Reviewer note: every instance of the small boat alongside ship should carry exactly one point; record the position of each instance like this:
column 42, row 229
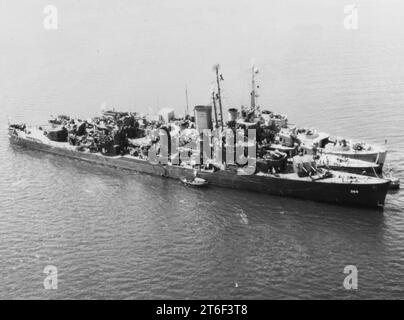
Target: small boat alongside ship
column 195, row 182
column 313, row 142
column 311, row 139
column 341, row 163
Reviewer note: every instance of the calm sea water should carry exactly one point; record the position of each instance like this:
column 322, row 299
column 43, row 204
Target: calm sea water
column 116, row 234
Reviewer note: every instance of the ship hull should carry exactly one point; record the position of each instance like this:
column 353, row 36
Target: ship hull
column 363, row 195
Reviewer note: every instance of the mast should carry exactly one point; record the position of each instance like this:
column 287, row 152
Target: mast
column 219, row 95
column 214, row 108
column 252, row 88
column 254, row 71
column 187, row 101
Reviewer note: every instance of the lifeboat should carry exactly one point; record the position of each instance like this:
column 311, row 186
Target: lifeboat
column 310, row 139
